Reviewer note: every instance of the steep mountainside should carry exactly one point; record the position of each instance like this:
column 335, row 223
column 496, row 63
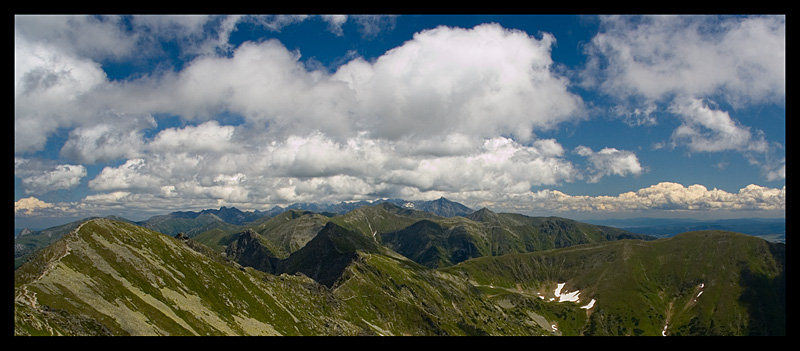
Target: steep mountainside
column 443, row 242
column 441, row 207
column 115, row 278
column 697, row 283
column 426, row 238
column 284, row 233
column 32, row 241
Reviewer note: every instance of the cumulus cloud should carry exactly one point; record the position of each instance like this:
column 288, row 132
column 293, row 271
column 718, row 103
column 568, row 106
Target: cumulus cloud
column 665, row 196
column 48, row 88
column 29, row 205
column 675, row 63
column 206, row 137
column 39, row 177
column 124, row 177
column 610, row 161
column 94, row 37
column 316, row 167
column 707, row 130
column 107, row 141
column 477, row 82
column 654, row 57
column 483, row 82
column 452, row 112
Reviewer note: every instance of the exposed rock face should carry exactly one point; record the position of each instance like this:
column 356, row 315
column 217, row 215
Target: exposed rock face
column 248, row 251
column 325, row 257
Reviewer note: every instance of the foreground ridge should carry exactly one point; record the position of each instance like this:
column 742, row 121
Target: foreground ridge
column 108, row 277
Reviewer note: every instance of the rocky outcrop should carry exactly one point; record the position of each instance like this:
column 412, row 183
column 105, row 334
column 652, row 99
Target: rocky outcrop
column 248, row 251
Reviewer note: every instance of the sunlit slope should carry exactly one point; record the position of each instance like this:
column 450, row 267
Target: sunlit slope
column 698, row 283
column 286, row 232
column 114, row 278
column 426, row 238
column 119, row 279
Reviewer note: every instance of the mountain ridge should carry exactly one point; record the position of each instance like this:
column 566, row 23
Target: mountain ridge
column 108, row 277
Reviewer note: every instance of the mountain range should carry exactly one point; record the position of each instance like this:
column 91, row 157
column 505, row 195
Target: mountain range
column 389, row 269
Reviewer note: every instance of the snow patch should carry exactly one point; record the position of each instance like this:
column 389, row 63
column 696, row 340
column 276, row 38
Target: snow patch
column 562, row 296
column 572, row 296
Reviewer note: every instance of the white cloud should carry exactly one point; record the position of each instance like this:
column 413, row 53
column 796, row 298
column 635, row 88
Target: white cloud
column 335, row 23
column 707, row 130
column 420, row 121
column 29, row 205
column 654, row 57
column 481, row 82
column 94, row 37
column 277, row 22
column 317, row 167
column 126, row 176
column 651, row 64
column 371, row 26
column 777, row 172
column 108, row 141
column 665, row 196
column 610, row 161
column 39, row 177
column 206, row 137
column 107, row 198
column 49, row 87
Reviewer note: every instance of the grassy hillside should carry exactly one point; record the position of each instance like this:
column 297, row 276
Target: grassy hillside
column 119, row 279
column 698, row 283
column 114, row 278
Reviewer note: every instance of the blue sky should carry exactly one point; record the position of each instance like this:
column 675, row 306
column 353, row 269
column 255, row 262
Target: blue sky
column 575, row 116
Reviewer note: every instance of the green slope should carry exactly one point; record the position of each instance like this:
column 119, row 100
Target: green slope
column 114, row 278
column 426, row 238
column 118, row 279
column 640, row 287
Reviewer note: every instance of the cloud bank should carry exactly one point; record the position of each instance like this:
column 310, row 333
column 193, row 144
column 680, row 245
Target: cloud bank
column 451, row 112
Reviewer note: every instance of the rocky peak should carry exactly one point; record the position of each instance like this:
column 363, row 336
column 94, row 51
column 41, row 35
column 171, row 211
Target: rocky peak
column 248, row 251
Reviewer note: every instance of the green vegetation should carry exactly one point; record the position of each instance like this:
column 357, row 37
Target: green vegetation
column 386, row 270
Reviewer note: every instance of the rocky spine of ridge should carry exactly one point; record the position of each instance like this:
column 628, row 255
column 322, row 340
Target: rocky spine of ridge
column 322, row 259
column 248, row 251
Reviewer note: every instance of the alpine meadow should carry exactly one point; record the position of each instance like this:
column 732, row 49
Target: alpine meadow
column 400, row 175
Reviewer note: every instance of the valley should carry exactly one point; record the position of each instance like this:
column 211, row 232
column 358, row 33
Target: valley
column 383, row 269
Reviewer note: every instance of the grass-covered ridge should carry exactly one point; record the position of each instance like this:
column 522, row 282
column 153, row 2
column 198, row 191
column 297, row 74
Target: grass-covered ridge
column 698, row 283
column 114, row 278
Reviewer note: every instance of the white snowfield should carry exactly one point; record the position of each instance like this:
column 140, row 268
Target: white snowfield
column 569, row 296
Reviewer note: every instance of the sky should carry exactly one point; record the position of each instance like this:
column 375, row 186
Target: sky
column 584, row 117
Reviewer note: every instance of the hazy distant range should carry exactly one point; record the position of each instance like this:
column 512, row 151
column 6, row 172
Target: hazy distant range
column 772, row 229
